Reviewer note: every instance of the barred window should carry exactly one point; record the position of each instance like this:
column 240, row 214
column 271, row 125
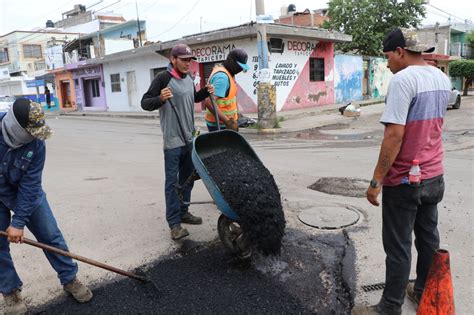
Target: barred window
column 115, row 82
column 4, row 55
column 95, row 88
column 316, row 69
column 32, row 51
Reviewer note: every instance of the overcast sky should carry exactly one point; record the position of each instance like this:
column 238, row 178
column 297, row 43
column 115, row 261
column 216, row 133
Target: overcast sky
column 170, row 19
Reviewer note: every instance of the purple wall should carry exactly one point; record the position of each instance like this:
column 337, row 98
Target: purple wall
column 89, row 86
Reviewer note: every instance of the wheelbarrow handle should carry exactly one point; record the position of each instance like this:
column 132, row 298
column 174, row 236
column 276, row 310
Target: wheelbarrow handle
column 80, row 258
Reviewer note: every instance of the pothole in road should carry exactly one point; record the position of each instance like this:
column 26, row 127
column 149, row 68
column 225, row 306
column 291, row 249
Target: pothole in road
column 337, row 126
column 316, row 134
column 312, row 275
column 343, row 186
column 329, row 217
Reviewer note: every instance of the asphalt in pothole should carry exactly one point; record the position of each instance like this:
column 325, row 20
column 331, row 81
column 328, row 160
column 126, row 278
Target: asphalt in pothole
column 343, row 186
column 314, row 274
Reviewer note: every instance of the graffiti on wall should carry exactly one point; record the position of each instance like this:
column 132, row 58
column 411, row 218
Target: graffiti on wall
column 380, row 76
column 87, row 71
column 348, row 74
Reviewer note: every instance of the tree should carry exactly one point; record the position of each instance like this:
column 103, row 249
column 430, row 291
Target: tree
column 463, row 69
column 369, row 20
column 470, row 38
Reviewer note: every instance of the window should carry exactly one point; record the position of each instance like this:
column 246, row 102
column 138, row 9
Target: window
column 316, row 69
column 95, row 88
column 32, row 51
column 4, row 55
column 155, row 71
column 115, row 82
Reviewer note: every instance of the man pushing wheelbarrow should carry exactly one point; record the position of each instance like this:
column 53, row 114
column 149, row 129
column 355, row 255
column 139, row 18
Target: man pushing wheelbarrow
column 248, row 219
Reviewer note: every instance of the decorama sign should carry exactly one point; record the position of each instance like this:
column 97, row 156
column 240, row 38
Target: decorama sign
column 301, row 47
column 212, row 53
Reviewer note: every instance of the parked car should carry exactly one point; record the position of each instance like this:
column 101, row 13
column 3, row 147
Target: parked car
column 6, row 102
column 455, row 99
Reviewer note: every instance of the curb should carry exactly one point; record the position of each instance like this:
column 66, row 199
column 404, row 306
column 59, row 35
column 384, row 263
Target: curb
column 327, row 110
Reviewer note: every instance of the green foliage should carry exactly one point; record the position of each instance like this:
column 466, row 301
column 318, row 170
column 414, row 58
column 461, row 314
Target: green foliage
column 470, row 38
column 369, row 20
column 462, row 68
column 276, row 124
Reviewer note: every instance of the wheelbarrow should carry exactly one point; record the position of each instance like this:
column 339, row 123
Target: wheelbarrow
column 206, row 146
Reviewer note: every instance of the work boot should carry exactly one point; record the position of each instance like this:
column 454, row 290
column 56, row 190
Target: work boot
column 413, row 296
column 14, row 304
column 178, row 232
column 377, row 309
column 79, row 292
column 188, row 218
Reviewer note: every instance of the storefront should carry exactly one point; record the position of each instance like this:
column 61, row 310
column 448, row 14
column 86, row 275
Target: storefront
column 300, row 66
column 88, row 84
column 65, row 90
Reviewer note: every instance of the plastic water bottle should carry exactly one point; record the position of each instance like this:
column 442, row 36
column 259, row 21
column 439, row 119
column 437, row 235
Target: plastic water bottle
column 414, row 176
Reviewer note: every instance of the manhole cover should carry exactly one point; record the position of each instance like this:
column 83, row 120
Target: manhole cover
column 329, row 217
column 344, row 186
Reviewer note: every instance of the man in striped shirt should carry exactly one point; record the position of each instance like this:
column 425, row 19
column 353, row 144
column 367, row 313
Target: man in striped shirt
column 415, row 105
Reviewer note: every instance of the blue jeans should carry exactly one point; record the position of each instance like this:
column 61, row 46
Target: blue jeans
column 45, row 229
column 408, row 209
column 214, row 128
column 178, row 167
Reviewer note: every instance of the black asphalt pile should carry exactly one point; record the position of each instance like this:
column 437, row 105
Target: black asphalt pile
column 205, row 282
column 250, row 190
column 314, row 274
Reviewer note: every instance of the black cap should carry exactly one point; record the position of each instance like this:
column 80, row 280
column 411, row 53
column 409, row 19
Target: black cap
column 240, row 56
column 21, row 110
column 406, row 39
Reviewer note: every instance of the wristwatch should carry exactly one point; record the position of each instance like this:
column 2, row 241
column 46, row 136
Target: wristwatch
column 374, row 183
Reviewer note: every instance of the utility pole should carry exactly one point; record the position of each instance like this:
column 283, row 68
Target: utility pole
column 266, row 92
column 138, row 23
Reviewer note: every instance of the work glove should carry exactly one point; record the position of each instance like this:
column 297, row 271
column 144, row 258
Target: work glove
column 231, row 124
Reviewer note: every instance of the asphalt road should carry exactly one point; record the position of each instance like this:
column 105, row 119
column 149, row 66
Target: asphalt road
column 104, row 179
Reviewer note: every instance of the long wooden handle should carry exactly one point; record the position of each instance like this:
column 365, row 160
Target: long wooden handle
column 216, row 115
column 80, row 258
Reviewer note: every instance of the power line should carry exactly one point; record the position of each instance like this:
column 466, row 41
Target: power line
column 451, row 15
column 179, row 21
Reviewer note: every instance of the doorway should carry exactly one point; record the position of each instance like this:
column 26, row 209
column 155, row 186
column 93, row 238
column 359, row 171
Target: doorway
column 132, row 91
column 66, row 94
column 92, row 92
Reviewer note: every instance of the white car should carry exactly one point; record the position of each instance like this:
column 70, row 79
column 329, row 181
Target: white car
column 6, row 102
column 455, row 99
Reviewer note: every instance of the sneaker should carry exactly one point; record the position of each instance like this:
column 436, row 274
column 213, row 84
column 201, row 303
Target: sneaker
column 79, row 292
column 14, row 303
column 178, row 232
column 413, row 296
column 377, row 309
column 188, row 218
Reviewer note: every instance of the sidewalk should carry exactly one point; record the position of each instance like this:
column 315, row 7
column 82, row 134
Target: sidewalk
column 289, row 121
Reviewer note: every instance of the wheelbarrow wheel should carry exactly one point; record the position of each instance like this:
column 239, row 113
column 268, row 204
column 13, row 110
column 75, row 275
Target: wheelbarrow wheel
column 231, row 235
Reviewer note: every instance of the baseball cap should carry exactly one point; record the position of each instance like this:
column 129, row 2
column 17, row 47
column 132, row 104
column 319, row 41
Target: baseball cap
column 406, row 39
column 182, row 51
column 239, row 56
column 31, row 117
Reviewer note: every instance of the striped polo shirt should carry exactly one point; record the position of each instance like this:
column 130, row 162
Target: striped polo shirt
column 417, row 98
